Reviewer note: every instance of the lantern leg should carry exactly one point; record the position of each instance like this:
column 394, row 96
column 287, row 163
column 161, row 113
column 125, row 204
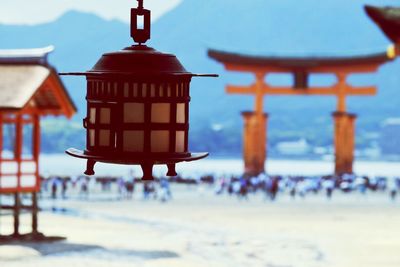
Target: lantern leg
column 171, row 170
column 147, row 172
column 90, row 167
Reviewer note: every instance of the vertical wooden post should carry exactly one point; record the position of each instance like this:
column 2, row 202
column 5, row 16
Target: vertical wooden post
column 344, row 130
column 34, row 214
column 259, row 103
column 254, row 142
column 18, row 158
column 344, row 142
column 1, row 157
column 17, row 210
column 36, row 147
column 18, row 148
column 350, row 142
column 1, row 146
column 36, row 154
column 341, row 95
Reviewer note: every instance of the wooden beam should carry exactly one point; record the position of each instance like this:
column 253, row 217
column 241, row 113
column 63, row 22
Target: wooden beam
column 372, row 90
column 348, row 70
column 267, row 90
column 245, row 90
column 291, row 91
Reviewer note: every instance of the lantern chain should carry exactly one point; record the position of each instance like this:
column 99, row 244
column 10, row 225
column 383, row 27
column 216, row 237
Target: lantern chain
column 140, row 4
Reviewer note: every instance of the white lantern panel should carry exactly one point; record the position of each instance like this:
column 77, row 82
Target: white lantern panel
column 133, row 141
column 133, row 113
column 105, row 115
column 180, row 142
column 153, row 90
column 92, row 137
column 92, row 115
column 169, row 91
column 135, row 89
column 109, row 85
column 126, row 89
column 180, row 113
column 104, row 139
column 144, row 90
column 115, row 92
column 160, row 113
column 160, row 141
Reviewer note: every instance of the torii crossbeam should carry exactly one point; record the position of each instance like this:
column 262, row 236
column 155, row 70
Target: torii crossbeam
column 255, row 122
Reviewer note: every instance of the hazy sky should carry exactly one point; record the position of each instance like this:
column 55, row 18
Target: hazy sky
column 38, row 11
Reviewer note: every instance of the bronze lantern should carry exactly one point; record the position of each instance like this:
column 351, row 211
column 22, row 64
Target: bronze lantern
column 137, row 106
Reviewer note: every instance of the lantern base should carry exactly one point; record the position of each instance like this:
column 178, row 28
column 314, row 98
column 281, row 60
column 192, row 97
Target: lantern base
column 146, row 162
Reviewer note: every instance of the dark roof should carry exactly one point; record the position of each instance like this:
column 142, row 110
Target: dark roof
column 22, row 74
column 297, row 63
column 388, row 19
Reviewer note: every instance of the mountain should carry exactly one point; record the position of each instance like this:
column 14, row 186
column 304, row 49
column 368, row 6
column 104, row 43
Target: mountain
column 257, row 27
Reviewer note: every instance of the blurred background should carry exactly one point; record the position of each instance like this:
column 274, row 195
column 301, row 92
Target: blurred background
column 298, row 214
column 299, row 127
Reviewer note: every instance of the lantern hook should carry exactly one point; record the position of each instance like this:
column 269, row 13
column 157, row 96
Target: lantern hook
column 140, row 32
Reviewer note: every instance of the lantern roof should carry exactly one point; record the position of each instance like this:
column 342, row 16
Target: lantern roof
column 137, row 60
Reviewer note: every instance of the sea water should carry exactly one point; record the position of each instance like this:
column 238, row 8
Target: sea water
column 60, row 164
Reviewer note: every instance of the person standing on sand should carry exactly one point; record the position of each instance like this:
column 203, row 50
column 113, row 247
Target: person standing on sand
column 64, row 188
column 392, row 186
column 329, row 186
column 165, row 190
column 84, row 193
column 121, row 188
column 274, row 188
column 129, row 187
column 54, row 183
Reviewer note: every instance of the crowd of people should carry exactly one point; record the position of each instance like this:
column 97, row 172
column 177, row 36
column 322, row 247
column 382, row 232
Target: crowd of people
column 242, row 187
column 57, row 187
column 301, row 186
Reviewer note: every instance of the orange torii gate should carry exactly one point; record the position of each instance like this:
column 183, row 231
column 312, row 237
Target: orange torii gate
column 255, row 130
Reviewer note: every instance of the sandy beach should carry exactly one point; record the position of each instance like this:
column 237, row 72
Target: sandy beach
column 198, row 228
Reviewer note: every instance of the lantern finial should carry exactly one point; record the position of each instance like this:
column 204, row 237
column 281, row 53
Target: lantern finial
column 140, row 32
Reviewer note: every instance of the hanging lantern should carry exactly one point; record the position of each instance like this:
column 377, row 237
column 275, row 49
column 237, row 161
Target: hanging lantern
column 137, row 106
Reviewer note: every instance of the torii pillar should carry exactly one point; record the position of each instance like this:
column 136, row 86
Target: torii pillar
column 344, row 131
column 255, row 133
column 254, row 142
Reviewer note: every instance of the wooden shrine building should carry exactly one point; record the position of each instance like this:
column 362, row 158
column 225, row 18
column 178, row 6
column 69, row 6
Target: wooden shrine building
column 30, row 88
column 255, row 122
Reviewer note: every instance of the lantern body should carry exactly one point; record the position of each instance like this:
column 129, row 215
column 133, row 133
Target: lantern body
column 137, row 118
